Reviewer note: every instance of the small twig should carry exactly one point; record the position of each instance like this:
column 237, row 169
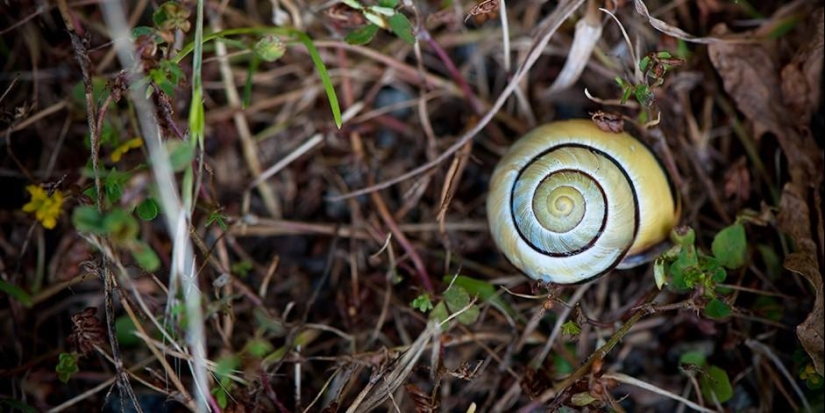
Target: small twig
column 761, row 348
column 423, row 34
column 623, row 378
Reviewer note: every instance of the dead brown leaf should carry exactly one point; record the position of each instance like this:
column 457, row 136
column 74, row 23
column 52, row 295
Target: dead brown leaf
column 751, row 78
column 801, row 77
column 781, row 102
column 793, row 218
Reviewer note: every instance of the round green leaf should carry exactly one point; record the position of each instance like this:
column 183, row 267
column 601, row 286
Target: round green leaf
column 730, row 246
column 716, row 308
column 715, row 384
column 148, row 209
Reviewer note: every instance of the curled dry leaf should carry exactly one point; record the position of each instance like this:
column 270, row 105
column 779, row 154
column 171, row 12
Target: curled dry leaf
column 588, row 33
column 676, row 32
column 738, row 181
column 783, row 105
column 86, row 331
column 608, row 122
column 794, row 218
column 801, row 77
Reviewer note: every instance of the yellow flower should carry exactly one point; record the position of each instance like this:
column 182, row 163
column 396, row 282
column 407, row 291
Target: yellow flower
column 46, row 208
column 121, row 150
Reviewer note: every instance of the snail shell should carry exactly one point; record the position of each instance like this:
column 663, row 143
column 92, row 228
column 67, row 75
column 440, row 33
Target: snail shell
column 569, row 202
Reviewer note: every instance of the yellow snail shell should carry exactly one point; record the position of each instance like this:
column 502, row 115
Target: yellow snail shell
column 569, row 202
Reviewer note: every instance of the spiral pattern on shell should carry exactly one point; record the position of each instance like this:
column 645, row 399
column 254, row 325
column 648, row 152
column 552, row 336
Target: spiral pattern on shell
column 568, row 202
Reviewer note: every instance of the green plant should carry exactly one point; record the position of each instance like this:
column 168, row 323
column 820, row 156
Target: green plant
column 121, row 227
column 66, row 366
column 384, row 16
column 286, row 35
column 714, row 382
column 654, row 66
column 685, row 268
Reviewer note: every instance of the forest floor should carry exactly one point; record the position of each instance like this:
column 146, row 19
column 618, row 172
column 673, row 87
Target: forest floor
column 254, row 206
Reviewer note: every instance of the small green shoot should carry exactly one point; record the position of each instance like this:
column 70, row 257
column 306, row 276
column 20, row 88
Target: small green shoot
column 384, row 16
column 66, row 366
column 422, row 303
column 570, row 328
column 684, row 268
column 16, row 293
column 242, row 268
column 215, row 217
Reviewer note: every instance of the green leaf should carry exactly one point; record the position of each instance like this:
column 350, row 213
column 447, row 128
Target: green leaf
column 120, row 225
column 148, row 209
column 440, row 312
column 272, row 326
column 644, row 63
column 773, row 264
column 570, row 328
column 422, row 303
column 144, row 255
column 15, row 405
column 582, row 399
column 644, row 95
column 659, row 274
column 113, row 184
column 696, row 358
column 126, row 332
column 18, row 293
column 715, row 384
column 402, row 28
column 66, row 366
column 225, row 365
column 323, row 74
column 220, row 397
column 682, row 268
column 562, row 366
column 769, row 308
column 380, row 11
column 87, row 219
column 388, row 3
column 353, row 3
column 216, row 217
column 717, row 309
column 196, row 123
column 485, row 291
column 457, row 299
column 376, row 19
column 242, row 268
column 171, row 16
column 730, row 246
column 141, row 31
column 361, row 35
column 258, row 347
column 469, row 316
